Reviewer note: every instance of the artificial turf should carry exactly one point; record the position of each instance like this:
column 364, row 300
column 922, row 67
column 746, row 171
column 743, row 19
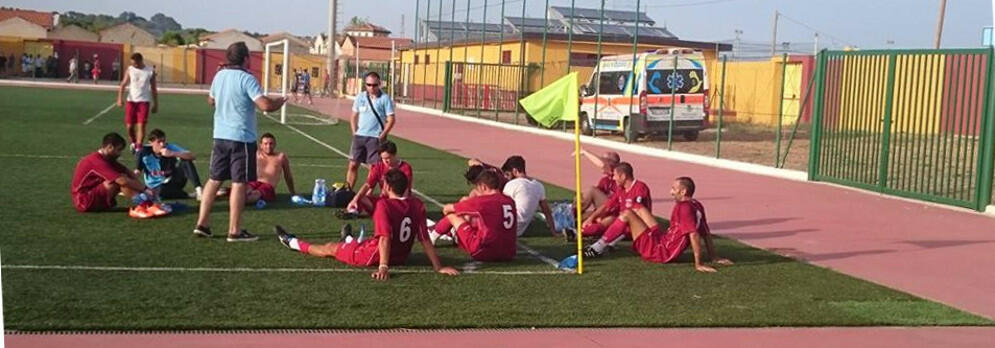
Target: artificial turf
column 195, row 283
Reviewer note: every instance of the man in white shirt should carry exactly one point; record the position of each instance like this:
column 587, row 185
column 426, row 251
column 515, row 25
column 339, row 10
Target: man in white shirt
column 528, row 194
column 140, row 80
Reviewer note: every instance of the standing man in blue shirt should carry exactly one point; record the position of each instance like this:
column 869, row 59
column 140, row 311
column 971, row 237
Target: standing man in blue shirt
column 371, row 122
column 235, row 95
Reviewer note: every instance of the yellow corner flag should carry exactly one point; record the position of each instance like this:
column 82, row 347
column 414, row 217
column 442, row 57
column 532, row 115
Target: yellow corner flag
column 556, row 102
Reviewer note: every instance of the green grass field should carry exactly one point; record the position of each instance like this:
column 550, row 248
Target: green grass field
column 162, row 277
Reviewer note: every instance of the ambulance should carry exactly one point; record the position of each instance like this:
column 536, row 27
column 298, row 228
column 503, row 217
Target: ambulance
column 610, row 101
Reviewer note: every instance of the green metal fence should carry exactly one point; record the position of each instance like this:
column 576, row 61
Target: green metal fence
column 912, row 123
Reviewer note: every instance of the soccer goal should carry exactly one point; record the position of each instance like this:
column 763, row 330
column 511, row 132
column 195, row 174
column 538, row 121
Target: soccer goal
column 281, row 70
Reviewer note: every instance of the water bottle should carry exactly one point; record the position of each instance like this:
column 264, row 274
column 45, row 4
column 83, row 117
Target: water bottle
column 362, row 231
column 569, row 263
column 260, row 204
column 318, row 195
column 297, row 199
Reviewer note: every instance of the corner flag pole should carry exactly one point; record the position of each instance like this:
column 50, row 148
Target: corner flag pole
column 580, row 242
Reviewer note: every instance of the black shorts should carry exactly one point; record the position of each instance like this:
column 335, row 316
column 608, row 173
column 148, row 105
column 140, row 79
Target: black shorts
column 233, row 160
column 365, row 149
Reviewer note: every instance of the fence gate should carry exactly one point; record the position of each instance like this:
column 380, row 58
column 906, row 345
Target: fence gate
column 489, row 87
column 912, row 123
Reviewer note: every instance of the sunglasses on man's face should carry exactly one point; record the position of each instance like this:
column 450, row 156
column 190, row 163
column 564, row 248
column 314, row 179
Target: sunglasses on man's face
column 372, row 84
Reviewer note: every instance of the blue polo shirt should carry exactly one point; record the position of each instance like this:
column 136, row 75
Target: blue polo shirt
column 368, row 125
column 234, row 92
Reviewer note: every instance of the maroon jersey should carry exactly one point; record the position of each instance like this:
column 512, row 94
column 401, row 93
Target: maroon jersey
column 638, row 193
column 378, row 176
column 402, row 220
column 607, row 184
column 688, row 217
column 494, row 218
column 93, row 170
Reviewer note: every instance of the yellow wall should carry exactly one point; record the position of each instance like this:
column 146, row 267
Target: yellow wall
column 173, row 64
column 556, row 58
column 298, row 61
column 12, row 45
column 38, row 48
column 752, row 89
column 909, row 113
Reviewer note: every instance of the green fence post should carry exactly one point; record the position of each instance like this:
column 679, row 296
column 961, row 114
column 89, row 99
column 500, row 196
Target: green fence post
column 522, row 74
column 480, row 67
column 780, row 110
column 447, row 93
column 438, row 62
column 816, row 136
column 985, row 168
column 673, row 105
column 570, row 42
column 497, row 106
column 886, row 132
column 722, row 93
column 592, row 121
column 801, row 111
column 629, row 136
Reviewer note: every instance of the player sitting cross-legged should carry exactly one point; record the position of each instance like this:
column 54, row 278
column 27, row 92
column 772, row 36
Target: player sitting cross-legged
column 364, row 201
column 687, row 224
column 397, row 220
column 485, row 225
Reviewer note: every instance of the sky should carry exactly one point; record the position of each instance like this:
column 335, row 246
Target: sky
column 861, row 23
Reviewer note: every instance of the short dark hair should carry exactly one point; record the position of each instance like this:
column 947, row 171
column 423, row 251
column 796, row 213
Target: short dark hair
column 514, row 162
column 114, row 139
column 388, row 147
column 137, row 57
column 397, row 181
column 687, row 184
column 624, row 168
column 372, row 73
column 237, row 52
column 157, row 134
column 267, row 135
column 473, row 172
column 488, row 178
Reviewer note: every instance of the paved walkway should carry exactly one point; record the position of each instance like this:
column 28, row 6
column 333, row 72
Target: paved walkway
column 933, row 252
column 553, row 338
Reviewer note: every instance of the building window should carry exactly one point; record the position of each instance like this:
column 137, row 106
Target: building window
column 505, row 57
column 416, row 59
column 584, row 59
column 315, row 71
column 428, row 59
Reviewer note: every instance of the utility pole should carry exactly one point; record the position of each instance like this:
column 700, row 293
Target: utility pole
column 333, row 74
column 402, row 26
column 939, row 23
column 815, row 48
column 773, row 39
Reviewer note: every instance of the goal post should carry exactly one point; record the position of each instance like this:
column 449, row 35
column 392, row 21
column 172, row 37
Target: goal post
column 284, row 67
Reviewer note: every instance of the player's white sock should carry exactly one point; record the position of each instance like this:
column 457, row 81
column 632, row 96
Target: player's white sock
column 294, row 244
column 349, row 239
column 599, row 246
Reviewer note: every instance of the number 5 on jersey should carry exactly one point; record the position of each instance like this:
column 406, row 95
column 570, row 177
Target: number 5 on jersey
column 509, row 216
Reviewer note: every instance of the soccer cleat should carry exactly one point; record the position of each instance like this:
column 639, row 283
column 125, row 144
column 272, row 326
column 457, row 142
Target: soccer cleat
column 139, row 212
column 345, row 232
column 284, row 236
column 591, row 253
column 157, row 210
column 242, row 236
column 202, row 231
column 342, row 214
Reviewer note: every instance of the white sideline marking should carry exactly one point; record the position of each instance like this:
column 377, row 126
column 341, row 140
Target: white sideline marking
column 249, row 270
column 98, row 115
column 527, row 249
column 20, row 155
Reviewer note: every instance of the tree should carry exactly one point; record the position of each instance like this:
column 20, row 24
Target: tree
column 356, row 21
column 173, row 38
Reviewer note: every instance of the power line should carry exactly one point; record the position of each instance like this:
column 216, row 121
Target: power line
column 820, row 32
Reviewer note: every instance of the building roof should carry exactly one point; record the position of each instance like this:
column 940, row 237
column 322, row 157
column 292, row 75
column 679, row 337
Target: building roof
column 593, row 15
column 125, row 24
column 367, row 27
column 222, row 33
column 284, row 35
column 659, row 41
column 44, row 19
column 459, row 31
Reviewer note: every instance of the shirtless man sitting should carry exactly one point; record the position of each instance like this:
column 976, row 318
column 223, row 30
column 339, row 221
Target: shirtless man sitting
column 270, row 166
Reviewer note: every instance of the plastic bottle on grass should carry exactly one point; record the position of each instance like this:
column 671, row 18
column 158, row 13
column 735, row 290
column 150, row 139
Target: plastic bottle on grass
column 297, row 199
column 318, row 195
column 569, row 263
column 260, row 204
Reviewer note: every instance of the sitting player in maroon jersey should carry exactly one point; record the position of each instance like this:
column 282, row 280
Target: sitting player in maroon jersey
column 687, row 224
column 486, row 224
column 365, row 201
column 628, row 193
column 397, row 221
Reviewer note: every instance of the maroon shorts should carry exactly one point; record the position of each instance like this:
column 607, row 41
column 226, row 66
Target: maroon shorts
column 269, row 193
column 136, row 112
column 660, row 247
column 96, row 199
column 365, row 254
column 470, row 238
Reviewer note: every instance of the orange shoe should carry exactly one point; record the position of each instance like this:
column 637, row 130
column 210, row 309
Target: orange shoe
column 139, row 212
column 156, row 210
